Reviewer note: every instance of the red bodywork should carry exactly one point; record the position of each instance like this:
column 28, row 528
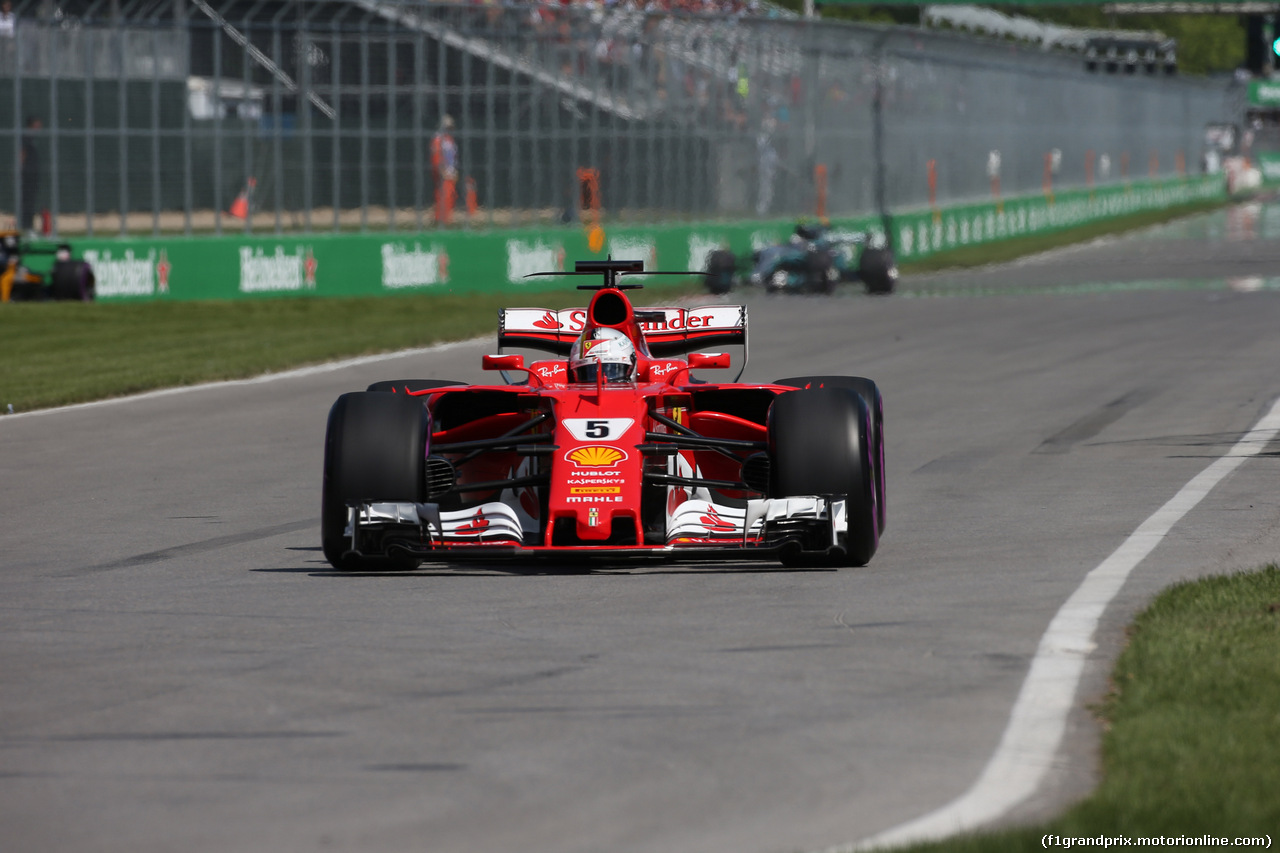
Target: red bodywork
column 596, row 450
column 662, row 465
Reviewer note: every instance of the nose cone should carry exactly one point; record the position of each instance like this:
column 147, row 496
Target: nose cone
column 595, row 489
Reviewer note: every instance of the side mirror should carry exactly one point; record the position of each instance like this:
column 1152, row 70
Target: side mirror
column 503, row 362
column 708, row 360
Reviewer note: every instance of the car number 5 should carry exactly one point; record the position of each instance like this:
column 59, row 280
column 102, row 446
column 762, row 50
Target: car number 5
column 598, row 429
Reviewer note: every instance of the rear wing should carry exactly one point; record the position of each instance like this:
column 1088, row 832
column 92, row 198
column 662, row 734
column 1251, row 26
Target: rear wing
column 667, row 331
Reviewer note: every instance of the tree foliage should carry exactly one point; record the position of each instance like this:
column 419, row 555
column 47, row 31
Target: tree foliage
column 1207, row 44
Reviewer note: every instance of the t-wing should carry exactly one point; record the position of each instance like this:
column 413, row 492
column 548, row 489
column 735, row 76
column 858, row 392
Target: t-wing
column 667, row 331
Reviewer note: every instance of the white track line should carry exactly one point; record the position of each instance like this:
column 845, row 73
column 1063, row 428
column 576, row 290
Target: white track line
column 1039, row 717
column 296, row 373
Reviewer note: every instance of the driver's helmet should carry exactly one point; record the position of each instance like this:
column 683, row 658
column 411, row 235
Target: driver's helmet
column 602, row 349
column 806, row 231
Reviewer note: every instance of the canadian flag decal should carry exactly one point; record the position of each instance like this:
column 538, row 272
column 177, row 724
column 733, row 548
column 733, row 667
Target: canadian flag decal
column 477, row 524
column 713, row 522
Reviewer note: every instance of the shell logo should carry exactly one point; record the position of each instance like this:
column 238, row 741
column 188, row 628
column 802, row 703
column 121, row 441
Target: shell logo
column 595, row 456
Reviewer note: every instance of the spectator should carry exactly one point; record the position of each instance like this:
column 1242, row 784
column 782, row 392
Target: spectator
column 8, row 20
column 767, row 171
column 29, row 158
column 444, row 170
column 732, row 114
column 8, row 32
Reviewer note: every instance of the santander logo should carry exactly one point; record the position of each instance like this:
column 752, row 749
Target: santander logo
column 574, row 320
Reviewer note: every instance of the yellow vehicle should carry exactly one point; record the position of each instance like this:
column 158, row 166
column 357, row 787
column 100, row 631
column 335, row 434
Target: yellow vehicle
column 67, row 278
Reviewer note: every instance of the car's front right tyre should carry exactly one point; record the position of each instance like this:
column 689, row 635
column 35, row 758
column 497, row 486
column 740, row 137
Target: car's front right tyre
column 374, row 450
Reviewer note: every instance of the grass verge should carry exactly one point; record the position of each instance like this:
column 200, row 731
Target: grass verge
column 1192, row 725
column 54, row 354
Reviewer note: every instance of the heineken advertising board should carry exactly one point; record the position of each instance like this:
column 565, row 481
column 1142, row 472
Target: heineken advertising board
column 1269, row 164
column 922, row 233
column 1264, row 93
column 250, row 266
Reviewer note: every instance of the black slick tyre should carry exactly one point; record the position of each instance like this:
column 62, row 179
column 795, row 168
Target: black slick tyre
column 870, row 394
column 878, row 271
column 819, row 445
column 72, row 280
column 721, row 266
column 820, row 274
column 374, row 450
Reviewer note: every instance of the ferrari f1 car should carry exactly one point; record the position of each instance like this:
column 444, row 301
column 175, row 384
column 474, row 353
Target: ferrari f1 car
column 814, row 260
column 610, row 448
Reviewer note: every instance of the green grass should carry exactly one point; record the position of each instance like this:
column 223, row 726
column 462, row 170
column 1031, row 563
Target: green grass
column 1192, row 725
column 1007, row 250
column 54, row 354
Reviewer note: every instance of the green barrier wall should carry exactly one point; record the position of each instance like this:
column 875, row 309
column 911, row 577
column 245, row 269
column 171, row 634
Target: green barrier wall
column 240, row 266
column 921, row 233
column 1269, row 164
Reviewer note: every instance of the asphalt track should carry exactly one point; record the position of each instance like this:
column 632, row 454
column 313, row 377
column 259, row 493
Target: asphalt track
column 180, row 670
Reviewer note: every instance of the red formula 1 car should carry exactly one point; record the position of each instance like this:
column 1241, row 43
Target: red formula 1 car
column 610, row 449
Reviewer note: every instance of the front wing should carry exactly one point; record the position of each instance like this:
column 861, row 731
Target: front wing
column 695, row 528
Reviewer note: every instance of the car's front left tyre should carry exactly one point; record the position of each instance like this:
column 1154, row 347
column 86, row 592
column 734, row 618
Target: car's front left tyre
column 820, row 445
column 878, row 271
column 721, row 268
column 871, row 396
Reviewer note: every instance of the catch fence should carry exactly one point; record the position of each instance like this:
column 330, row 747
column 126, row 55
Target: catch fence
column 197, row 116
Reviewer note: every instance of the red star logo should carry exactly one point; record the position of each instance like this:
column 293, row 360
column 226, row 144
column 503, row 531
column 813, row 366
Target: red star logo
column 163, row 267
column 309, row 267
